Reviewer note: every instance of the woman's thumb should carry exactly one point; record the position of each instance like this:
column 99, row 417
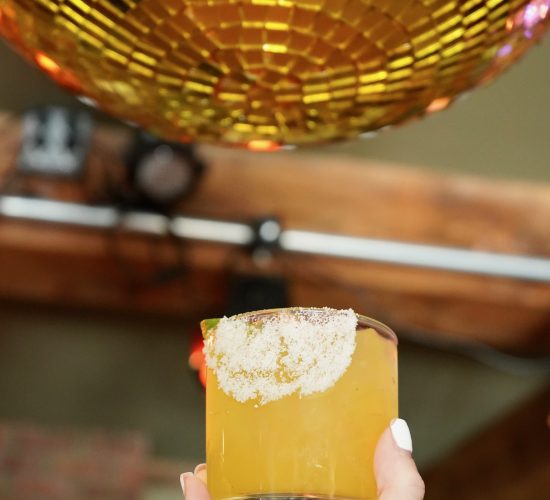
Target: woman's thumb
column 396, row 475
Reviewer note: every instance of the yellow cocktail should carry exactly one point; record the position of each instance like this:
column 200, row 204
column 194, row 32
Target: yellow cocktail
column 296, row 400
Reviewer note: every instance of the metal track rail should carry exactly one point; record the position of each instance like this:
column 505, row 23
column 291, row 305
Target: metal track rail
column 290, row 240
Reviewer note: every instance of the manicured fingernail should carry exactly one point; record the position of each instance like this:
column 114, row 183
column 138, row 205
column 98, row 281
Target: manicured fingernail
column 401, row 434
column 199, row 468
column 200, row 472
column 183, row 477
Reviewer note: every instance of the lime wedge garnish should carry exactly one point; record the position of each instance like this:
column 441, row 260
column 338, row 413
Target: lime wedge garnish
column 207, row 325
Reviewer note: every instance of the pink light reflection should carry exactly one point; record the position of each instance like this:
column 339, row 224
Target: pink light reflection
column 532, row 14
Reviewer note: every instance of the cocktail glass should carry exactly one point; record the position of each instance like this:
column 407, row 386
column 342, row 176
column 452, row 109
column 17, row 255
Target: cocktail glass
column 317, row 445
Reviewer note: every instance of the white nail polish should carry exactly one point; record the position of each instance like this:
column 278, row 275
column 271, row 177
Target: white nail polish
column 401, row 434
column 182, row 480
column 199, row 468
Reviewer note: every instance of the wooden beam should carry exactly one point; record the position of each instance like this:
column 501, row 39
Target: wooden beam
column 508, row 461
column 66, row 265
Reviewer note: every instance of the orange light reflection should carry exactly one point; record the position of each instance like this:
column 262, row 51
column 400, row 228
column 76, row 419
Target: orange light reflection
column 197, row 361
column 438, row 104
column 263, row 145
column 47, row 63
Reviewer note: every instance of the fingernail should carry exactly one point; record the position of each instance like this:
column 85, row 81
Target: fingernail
column 183, row 477
column 401, row 434
column 200, row 472
column 199, row 468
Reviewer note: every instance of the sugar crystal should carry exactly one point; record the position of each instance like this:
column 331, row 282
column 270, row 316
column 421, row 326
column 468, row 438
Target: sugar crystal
column 301, row 351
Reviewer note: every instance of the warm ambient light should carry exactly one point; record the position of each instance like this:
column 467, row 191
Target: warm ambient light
column 63, row 76
column 438, row 104
column 263, row 145
column 46, row 63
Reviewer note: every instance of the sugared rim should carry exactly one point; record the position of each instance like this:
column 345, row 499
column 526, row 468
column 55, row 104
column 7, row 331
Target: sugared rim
column 362, row 321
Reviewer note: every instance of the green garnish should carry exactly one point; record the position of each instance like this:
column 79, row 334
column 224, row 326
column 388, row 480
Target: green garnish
column 208, row 324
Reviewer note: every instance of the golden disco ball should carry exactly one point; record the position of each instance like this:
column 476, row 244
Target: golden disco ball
column 267, row 73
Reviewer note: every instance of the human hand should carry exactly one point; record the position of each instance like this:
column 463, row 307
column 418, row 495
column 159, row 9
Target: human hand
column 394, row 468
column 396, row 475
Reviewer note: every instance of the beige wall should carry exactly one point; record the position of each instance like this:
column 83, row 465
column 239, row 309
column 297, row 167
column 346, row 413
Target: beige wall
column 499, row 130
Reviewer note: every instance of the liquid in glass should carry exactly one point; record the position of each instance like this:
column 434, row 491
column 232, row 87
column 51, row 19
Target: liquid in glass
column 319, row 445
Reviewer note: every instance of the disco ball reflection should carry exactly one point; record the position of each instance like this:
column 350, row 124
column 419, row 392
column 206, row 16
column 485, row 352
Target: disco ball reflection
column 267, row 73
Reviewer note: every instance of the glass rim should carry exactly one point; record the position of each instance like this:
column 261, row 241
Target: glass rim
column 362, row 321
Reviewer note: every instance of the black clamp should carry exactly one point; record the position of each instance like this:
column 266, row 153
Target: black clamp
column 161, row 174
column 267, row 233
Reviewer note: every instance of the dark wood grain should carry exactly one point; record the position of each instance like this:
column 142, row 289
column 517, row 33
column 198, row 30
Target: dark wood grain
column 508, row 461
column 65, row 265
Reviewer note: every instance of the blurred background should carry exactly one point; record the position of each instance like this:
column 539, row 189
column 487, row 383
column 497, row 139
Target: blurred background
column 99, row 324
